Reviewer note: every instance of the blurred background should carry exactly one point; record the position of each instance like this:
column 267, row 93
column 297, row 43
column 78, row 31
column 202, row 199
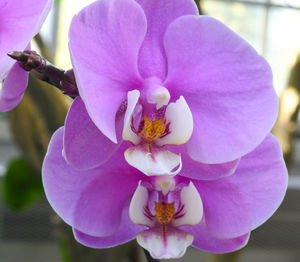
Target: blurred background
column 31, row 232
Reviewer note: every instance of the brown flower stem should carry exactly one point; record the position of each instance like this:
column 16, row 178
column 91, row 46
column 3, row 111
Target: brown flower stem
column 45, row 71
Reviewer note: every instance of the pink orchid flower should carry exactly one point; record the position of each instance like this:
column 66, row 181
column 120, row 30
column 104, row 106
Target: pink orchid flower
column 20, row 21
column 115, row 203
column 155, row 73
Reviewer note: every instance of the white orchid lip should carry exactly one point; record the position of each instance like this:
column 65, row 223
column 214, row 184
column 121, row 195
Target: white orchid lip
column 164, row 239
column 172, row 245
column 154, row 163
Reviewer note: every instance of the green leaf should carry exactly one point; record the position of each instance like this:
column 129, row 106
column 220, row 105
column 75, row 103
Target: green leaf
column 21, row 186
column 64, row 251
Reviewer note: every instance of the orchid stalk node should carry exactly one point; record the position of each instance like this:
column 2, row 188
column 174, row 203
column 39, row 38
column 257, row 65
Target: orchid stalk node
column 63, row 80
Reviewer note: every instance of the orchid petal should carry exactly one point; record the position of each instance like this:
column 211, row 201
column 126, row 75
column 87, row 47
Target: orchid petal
column 204, row 240
column 192, row 207
column 91, row 201
column 20, row 21
column 195, row 170
column 137, row 207
column 3, row 3
column 128, row 134
column 237, row 204
column 159, row 14
column 158, row 162
column 226, row 84
column 173, row 244
column 14, row 86
column 105, row 39
column 85, row 147
column 179, row 116
column 126, row 232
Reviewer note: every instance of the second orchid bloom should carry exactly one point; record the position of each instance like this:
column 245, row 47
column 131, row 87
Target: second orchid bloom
column 115, row 203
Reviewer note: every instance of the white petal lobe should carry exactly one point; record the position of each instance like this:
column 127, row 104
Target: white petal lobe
column 136, row 209
column 193, row 208
column 180, row 117
column 128, row 134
